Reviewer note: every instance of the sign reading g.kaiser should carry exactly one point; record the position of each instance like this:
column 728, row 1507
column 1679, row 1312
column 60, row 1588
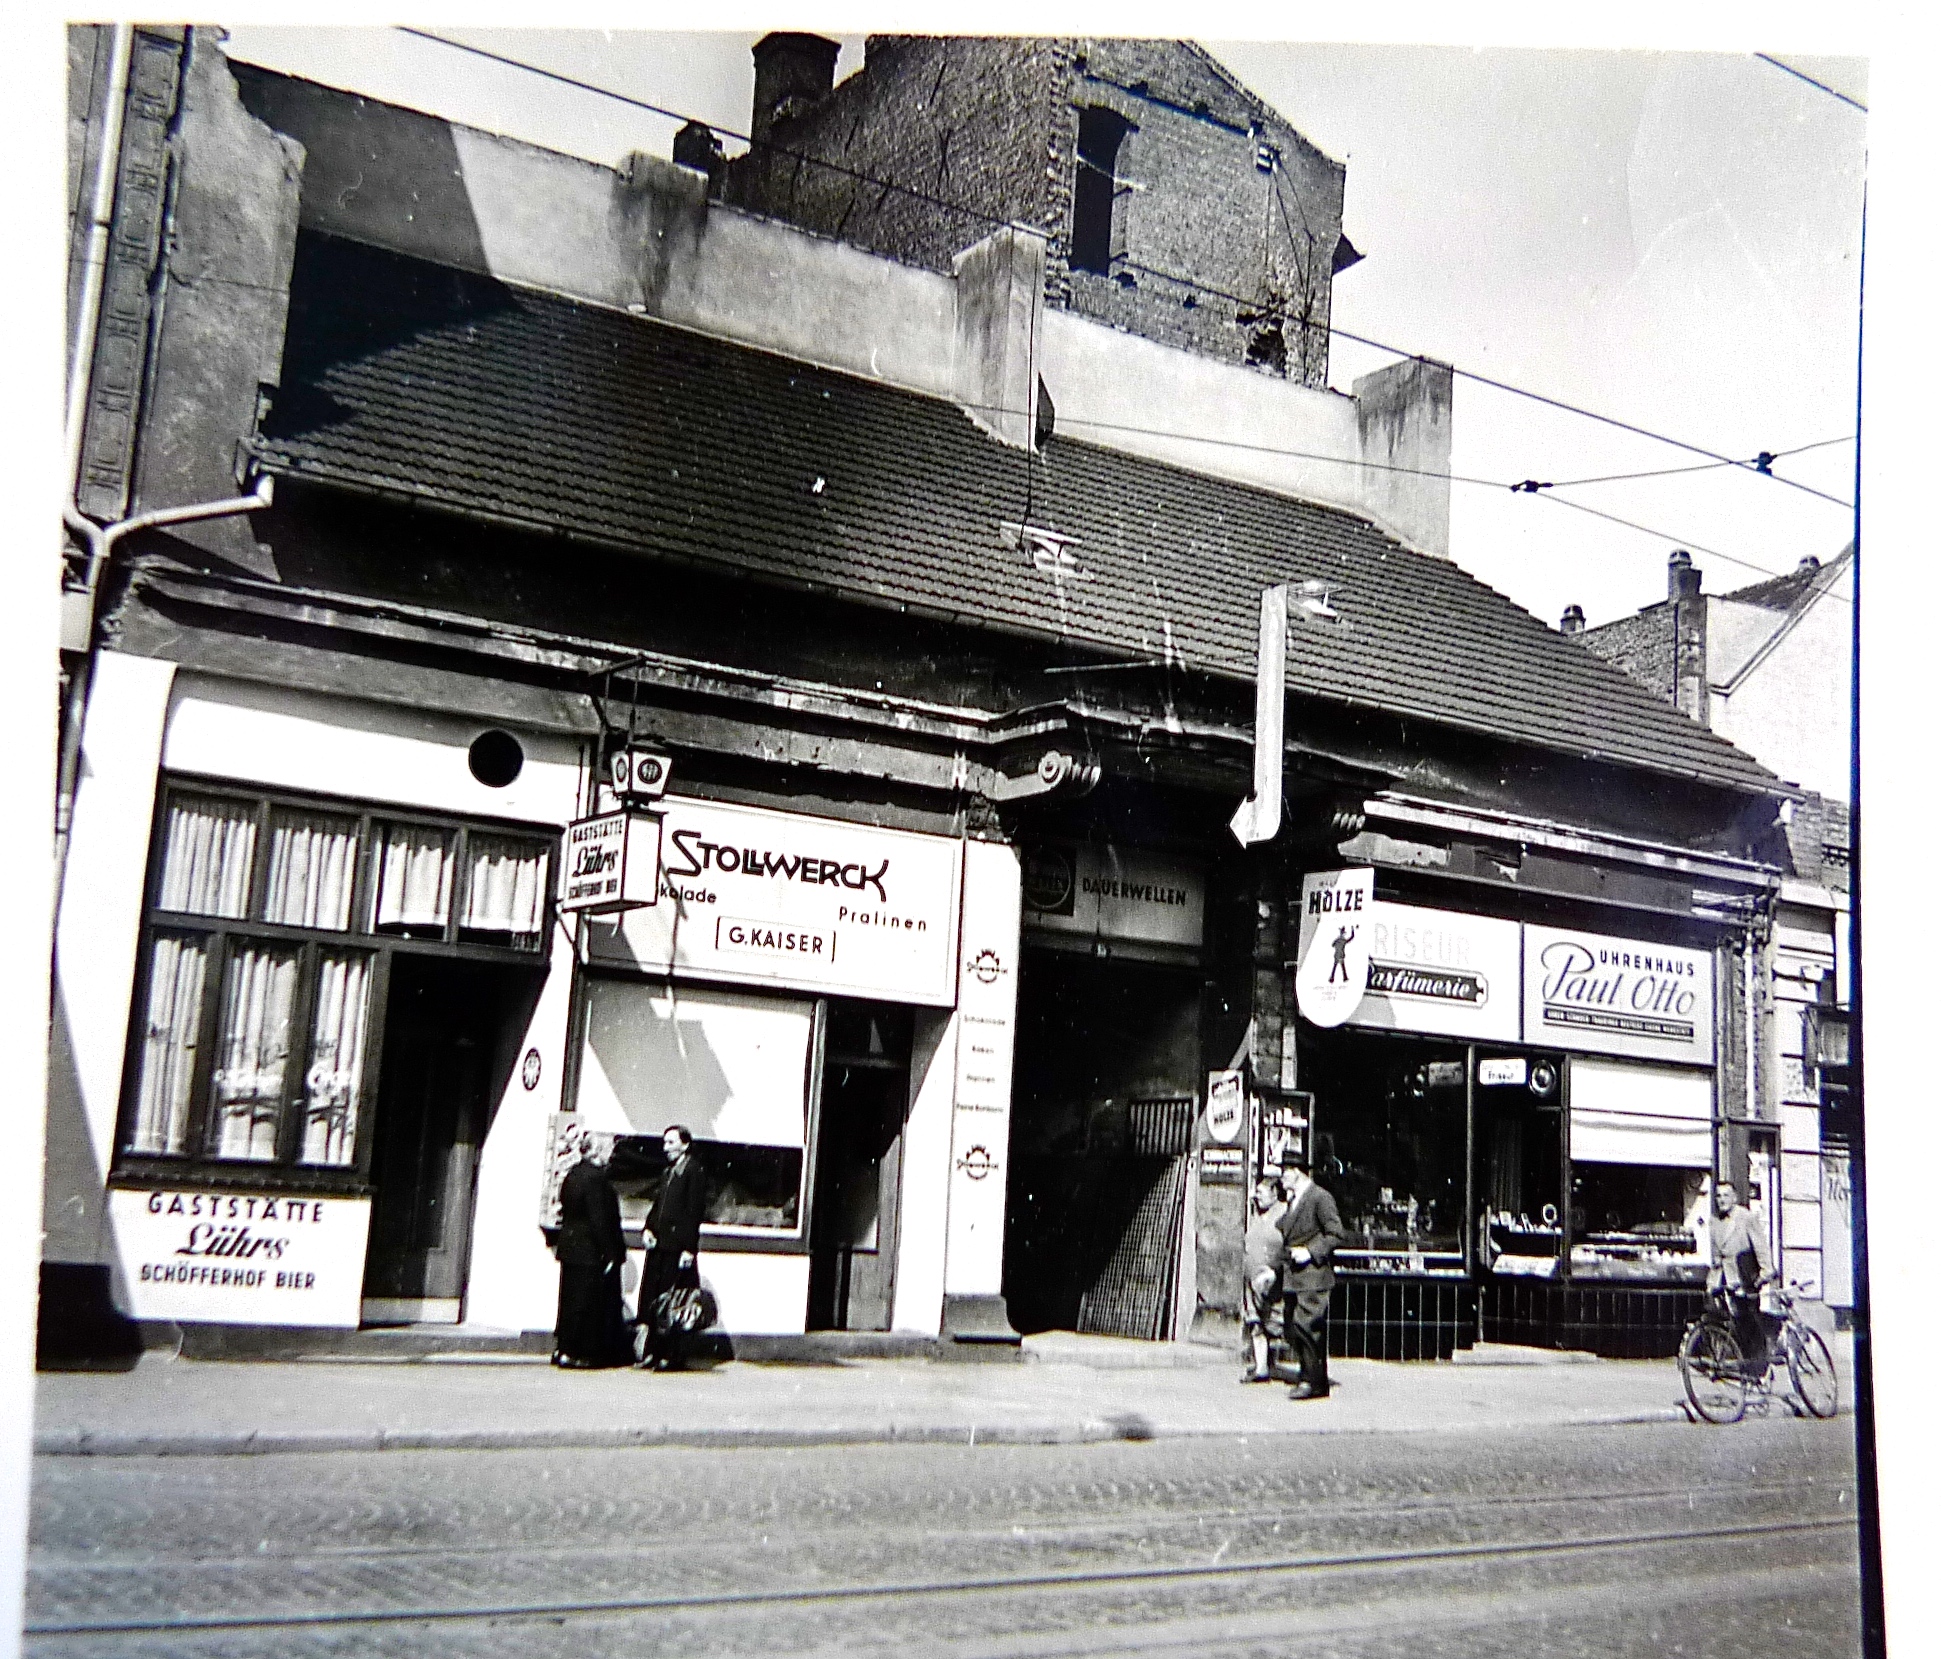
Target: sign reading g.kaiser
column 756, row 896
column 1333, row 971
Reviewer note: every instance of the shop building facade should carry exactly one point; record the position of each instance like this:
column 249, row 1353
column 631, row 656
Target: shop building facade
column 950, row 933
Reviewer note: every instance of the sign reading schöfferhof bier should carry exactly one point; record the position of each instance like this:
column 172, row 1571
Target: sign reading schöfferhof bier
column 753, row 896
column 1603, row 995
column 240, row 1258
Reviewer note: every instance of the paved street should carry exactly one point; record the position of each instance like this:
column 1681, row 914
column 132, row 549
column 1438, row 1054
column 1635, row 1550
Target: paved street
column 1633, row 1539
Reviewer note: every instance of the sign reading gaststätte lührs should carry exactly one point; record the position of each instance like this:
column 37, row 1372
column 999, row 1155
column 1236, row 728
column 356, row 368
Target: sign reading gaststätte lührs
column 239, row 1258
column 612, row 863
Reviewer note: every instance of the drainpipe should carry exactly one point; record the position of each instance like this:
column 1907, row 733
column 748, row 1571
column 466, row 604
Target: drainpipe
column 94, row 260
column 101, row 541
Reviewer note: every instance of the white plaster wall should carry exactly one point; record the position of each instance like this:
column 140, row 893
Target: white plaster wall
column 512, row 1281
column 758, row 1295
column 97, row 935
column 1794, row 711
column 1105, row 382
column 923, row 1220
column 289, row 739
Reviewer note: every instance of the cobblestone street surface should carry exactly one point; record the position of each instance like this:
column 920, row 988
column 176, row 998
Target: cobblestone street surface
column 1647, row 1537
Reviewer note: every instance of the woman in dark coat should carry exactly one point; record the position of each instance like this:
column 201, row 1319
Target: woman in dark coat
column 673, row 1239
column 590, row 1330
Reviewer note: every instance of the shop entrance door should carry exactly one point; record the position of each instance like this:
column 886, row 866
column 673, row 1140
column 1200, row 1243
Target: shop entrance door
column 859, row 1166
column 441, row 1027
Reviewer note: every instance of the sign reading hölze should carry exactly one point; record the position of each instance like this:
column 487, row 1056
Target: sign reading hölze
column 1616, row 996
column 755, row 896
column 240, row 1258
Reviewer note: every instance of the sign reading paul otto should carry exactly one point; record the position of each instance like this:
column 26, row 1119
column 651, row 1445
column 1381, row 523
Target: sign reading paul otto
column 1602, row 995
column 240, row 1258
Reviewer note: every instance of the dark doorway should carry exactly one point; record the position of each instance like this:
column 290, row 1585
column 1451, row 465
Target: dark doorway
column 859, row 1166
column 443, row 1026
column 1108, row 1059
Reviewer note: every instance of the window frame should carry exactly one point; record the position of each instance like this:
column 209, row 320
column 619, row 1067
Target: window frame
column 222, row 936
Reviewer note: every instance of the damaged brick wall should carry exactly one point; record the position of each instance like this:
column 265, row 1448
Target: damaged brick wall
column 1225, row 221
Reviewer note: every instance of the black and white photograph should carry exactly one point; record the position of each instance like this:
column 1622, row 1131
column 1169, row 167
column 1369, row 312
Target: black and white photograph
column 1001, row 843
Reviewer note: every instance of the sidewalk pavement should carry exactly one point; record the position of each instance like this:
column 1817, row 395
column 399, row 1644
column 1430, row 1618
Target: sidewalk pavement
column 1072, row 1388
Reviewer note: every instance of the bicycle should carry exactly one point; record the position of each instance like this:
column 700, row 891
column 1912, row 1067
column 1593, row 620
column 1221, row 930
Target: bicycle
column 1718, row 1380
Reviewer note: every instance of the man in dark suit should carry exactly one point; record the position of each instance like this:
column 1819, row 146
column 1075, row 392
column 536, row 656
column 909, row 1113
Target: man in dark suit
column 673, row 1240
column 1311, row 1225
column 589, row 1330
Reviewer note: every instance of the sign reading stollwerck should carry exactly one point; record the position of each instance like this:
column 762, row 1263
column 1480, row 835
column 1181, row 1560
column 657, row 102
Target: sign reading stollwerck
column 753, row 896
column 1602, row 995
column 240, row 1258
column 1333, row 970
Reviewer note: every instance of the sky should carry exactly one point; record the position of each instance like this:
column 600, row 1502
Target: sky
column 1669, row 239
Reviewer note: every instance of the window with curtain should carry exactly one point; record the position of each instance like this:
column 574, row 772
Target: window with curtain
column 312, row 866
column 210, row 856
column 271, row 927
column 505, row 887
column 414, row 878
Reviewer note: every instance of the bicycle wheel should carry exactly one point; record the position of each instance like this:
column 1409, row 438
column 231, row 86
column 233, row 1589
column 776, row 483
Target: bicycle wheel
column 1714, row 1372
column 1815, row 1384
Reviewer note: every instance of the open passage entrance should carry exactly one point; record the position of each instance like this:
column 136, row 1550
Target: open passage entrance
column 1103, row 1098
column 446, row 1054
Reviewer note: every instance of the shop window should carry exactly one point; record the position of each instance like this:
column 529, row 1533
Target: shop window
column 1641, row 1157
column 1390, row 1139
column 251, row 1046
column 732, row 1068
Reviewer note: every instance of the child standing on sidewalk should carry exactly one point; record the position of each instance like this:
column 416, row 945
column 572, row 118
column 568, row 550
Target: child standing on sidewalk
column 1260, row 1286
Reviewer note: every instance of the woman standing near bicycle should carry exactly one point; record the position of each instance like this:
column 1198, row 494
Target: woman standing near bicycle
column 1742, row 1265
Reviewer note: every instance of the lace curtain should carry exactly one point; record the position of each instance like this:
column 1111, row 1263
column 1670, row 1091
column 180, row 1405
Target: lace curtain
column 176, row 975
column 414, row 877
column 505, row 889
column 211, row 852
column 313, row 863
column 333, row 1081
column 246, row 1100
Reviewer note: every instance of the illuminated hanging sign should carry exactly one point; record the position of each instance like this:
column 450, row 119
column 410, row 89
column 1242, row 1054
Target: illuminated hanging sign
column 611, row 863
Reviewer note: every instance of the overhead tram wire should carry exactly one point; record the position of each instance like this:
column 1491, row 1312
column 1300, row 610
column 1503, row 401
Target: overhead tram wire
column 992, row 219
column 1800, row 74
column 1191, row 284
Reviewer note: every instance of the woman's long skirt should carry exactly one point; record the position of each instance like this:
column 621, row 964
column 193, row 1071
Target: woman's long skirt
column 591, row 1326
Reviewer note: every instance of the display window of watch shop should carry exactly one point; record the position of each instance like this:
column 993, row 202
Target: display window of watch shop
column 270, row 925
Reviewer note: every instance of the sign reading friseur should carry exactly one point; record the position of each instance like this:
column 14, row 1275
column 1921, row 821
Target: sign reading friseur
column 1437, row 971
column 753, row 896
column 1604, row 995
column 240, row 1258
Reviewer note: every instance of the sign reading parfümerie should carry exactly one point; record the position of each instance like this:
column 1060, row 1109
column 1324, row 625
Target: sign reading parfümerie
column 1436, row 971
column 240, row 1258
column 754, row 896
column 1604, row 995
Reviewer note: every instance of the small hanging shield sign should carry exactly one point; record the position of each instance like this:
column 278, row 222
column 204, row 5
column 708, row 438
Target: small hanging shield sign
column 1333, row 970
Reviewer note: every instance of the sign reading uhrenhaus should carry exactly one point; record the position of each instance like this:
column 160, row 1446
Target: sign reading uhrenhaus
column 240, row 1258
column 754, row 896
column 1603, row 995
column 1112, row 892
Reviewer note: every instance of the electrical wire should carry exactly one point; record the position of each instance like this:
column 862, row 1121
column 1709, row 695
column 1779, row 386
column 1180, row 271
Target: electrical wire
column 1800, row 74
column 1675, row 472
column 1188, row 283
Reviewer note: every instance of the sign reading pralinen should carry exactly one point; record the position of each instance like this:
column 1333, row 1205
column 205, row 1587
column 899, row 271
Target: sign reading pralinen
column 1602, row 995
column 759, row 897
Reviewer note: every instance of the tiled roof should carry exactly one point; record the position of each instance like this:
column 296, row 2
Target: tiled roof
column 1783, row 593
column 454, row 389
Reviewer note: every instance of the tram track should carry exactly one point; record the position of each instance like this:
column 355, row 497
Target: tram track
column 936, row 1589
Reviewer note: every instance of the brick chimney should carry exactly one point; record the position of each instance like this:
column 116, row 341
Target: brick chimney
column 1573, row 622
column 1683, row 577
column 793, row 73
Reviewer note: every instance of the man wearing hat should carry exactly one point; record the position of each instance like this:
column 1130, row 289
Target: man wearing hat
column 1311, row 1225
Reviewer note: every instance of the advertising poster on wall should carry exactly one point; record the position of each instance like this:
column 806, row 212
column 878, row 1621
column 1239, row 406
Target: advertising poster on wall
column 1603, row 995
column 1332, row 974
column 233, row 1258
column 759, row 897
column 1111, row 892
